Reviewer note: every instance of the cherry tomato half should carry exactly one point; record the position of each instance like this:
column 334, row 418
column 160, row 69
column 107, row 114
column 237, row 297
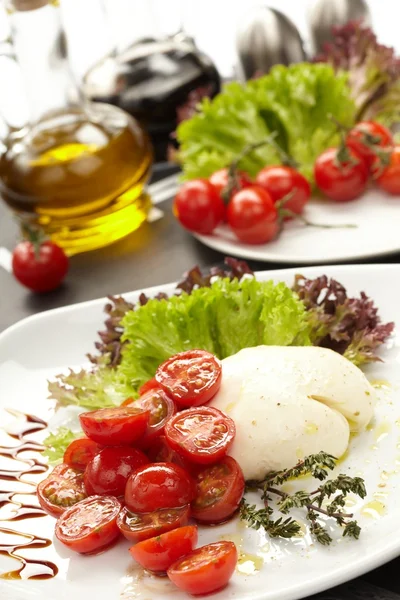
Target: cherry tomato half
column 201, row 435
column 220, row 489
column 89, row 526
column 206, row 569
column 280, row 181
column 390, row 178
column 157, row 554
column 158, row 485
column 191, row 378
column 122, row 425
column 63, row 488
column 198, row 206
column 340, row 181
column 80, row 452
column 219, row 180
column 41, row 271
column 252, row 216
column 160, row 407
column 108, row 472
column 141, row 526
column 367, row 136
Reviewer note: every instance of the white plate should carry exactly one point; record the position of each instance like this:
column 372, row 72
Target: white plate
column 40, row 346
column 376, row 215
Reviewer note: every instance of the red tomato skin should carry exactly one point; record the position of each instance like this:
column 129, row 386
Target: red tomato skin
column 279, row 181
column 340, row 183
column 173, row 376
column 203, row 510
column 54, row 492
column 198, row 206
column 354, row 140
column 137, row 527
column 206, row 569
column 80, row 452
column 149, row 385
column 160, row 406
column 43, row 272
column 389, row 180
column 108, row 472
column 157, row 554
column 190, row 421
column 161, row 451
column 252, row 216
column 117, row 426
column 98, row 515
column 219, row 180
column 158, row 485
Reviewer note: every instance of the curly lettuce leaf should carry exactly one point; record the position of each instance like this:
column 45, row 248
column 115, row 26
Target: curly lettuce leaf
column 223, row 319
column 57, row 442
column 295, row 102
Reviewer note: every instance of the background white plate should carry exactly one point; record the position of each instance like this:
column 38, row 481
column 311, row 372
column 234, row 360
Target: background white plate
column 40, row 346
column 376, row 215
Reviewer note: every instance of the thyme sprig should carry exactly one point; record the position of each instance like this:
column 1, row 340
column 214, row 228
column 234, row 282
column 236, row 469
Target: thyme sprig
column 331, row 494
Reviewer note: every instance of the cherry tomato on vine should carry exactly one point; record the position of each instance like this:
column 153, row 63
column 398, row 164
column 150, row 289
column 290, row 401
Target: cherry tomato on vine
column 252, row 216
column 191, row 378
column 141, row 526
column 219, row 180
column 158, row 485
column 157, row 554
column 206, row 569
column 198, row 206
column 118, row 426
column 89, row 526
column 341, row 180
column 202, row 435
column 108, row 472
column 366, row 137
column 219, row 490
column 389, row 180
column 280, row 181
column 40, row 270
column 62, row 489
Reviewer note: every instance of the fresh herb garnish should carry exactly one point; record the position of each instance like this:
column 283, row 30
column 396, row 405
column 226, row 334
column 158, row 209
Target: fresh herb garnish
column 327, row 500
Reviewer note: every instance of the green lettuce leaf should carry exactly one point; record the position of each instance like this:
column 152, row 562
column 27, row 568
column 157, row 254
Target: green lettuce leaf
column 57, row 442
column 295, row 102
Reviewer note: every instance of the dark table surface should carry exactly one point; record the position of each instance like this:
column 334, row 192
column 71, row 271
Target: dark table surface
column 158, row 253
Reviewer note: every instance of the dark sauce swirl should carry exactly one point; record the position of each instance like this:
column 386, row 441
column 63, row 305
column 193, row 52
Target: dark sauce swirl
column 28, row 568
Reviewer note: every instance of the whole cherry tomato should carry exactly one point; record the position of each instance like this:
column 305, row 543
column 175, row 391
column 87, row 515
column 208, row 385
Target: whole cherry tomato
column 219, row 180
column 252, row 216
column 341, row 180
column 280, row 181
column 390, row 178
column 198, row 206
column 108, row 472
column 42, row 269
column 367, row 138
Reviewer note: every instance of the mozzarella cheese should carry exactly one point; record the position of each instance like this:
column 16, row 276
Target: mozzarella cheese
column 290, row 402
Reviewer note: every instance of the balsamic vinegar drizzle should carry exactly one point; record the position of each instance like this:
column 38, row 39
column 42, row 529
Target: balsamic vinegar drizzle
column 29, row 568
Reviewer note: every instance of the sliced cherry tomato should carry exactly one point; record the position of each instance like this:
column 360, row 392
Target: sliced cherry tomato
column 280, row 181
column 149, row 385
column 80, row 452
column 201, row 435
column 158, row 553
column 368, row 137
column 220, row 489
column 206, row 569
column 90, row 526
column 158, row 485
column 141, row 526
column 63, row 488
column 198, row 206
column 119, row 426
column 42, row 270
column 341, row 181
column 390, row 178
column 160, row 407
column 252, row 216
column 219, row 180
column 191, row 378
column 108, row 472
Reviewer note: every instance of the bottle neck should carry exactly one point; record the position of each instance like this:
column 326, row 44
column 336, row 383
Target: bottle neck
column 40, row 49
